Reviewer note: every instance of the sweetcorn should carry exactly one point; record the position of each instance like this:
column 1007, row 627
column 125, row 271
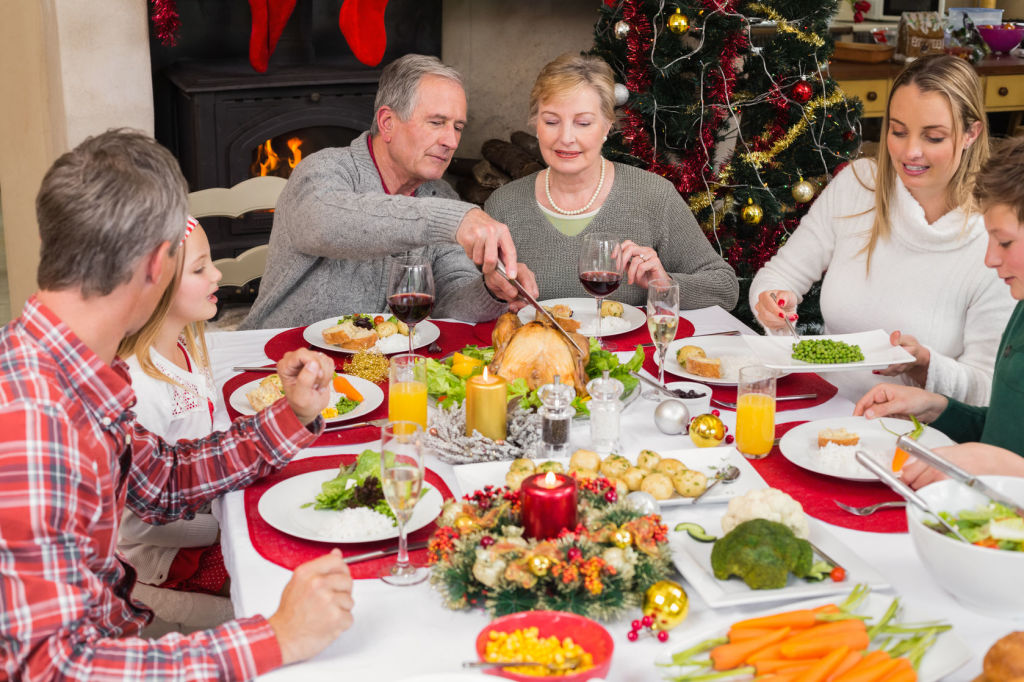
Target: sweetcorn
column 525, row 644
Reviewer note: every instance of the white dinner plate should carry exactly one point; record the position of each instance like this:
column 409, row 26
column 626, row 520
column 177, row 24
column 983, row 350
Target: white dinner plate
column 473, row 477
column 372, row 394
column 732, row 350
column 693, row 559
column 424, row 334
column 776, row 352
column 585, row 310
column 800, row 444
column 947, row 654
column 281, row 507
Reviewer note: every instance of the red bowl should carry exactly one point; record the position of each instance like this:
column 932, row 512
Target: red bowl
column 590, row 635
column 1001, row 38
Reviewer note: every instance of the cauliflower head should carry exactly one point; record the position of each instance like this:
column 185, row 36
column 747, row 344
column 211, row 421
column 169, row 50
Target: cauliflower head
column 770, row 504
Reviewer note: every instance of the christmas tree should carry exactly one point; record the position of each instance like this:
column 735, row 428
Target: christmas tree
column 749, row 130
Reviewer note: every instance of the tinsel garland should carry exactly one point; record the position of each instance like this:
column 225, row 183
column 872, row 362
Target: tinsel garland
column 785, row 26
column 599, row 569
column 166, row 21
column 758, row 159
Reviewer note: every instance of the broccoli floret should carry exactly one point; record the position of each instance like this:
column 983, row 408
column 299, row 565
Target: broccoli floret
column 762, row 553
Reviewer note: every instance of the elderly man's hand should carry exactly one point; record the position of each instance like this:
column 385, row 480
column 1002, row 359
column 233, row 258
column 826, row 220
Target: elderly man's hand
column 500, row 287
column 485, row 240
column 306, row 377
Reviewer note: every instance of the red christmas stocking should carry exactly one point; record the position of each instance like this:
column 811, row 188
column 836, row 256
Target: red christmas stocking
column 362, row 24
column 268, row 20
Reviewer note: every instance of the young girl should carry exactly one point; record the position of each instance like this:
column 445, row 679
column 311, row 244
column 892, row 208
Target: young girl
column 171, row 377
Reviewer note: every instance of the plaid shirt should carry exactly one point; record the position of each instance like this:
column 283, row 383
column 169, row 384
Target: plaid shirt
column 71, row 457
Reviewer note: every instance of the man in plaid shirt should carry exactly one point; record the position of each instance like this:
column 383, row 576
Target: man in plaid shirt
column 111, row 217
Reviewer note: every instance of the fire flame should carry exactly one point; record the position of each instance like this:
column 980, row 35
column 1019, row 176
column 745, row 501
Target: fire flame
column 268, row 160
column 295, row 147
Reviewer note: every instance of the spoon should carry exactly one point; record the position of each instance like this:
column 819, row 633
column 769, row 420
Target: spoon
column 670, row 392
column 726, row 475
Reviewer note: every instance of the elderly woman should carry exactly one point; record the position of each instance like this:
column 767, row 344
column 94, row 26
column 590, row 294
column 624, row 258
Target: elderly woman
column 573, row 106
column 900, row 243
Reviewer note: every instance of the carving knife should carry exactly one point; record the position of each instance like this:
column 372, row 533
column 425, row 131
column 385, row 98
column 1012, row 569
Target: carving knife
column 540, row 309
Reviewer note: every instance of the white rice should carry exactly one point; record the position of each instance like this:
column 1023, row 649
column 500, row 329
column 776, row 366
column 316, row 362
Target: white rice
column 840, row 460
column 396, row 343
column 354, row 524
column 609, row 325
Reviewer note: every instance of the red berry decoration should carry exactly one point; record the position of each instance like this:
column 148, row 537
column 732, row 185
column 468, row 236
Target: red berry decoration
column 632, row 636
column 635, row 625
column 611, row 496
column 574, row 553
column 730, row 438
column 716, row 413
column 647, row 621
column 486, row 541
column 663, row 636
column 802, row 92
column 858, row 16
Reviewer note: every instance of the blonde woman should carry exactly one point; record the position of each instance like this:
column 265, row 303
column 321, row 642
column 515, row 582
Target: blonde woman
column 573, row 106
column 899, row 244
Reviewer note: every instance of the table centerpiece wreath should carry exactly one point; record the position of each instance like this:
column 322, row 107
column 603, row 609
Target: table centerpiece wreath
column 480, row 558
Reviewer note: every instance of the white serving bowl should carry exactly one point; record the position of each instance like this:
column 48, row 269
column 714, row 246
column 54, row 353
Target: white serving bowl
column 696, row 406
column 981, row 578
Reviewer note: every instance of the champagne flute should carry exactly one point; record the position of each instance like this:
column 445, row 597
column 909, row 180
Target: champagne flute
column 662, row 321
column 401, row 478
column 411, row 293
column 600, row 268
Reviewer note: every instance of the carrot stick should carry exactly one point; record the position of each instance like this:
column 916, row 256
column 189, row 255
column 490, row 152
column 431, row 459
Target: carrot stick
column 850, row 625
column 727, row 656
column 801, row 618
column 342, row 386
column 871, row 673
column 770, row 651
column 903, row 671
column 772, row 665
column 820, row 670
column 779, row 677
column 871, row 658
column 899, row 459
column 819, row 646
column 852, row 659
column 743, row 634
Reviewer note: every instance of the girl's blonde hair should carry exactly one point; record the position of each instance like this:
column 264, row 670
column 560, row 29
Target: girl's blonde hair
column 956, row 80
column 141, row 342
column 570, row 71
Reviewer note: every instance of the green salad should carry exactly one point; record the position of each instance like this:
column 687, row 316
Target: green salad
column 449, row 388
column 991, row 525
column 356, row 485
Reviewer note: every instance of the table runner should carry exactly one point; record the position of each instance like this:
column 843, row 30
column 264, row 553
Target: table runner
column 792, row 384
column 288, row 551
column 817, row 492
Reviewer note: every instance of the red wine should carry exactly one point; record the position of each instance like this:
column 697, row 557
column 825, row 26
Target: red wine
column 411, row 308
column 600, row 283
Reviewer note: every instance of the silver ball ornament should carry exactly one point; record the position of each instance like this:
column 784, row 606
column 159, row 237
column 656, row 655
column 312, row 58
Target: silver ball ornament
column 644, row 503
column 671, row 416
column 621, row 30
column 621, row 94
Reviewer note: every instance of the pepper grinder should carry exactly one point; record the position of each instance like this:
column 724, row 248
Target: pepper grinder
column 556, row 414
column 605, row 407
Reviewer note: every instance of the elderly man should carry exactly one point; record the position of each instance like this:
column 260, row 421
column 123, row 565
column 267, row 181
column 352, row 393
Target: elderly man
column 348, row 213
column 111, row 217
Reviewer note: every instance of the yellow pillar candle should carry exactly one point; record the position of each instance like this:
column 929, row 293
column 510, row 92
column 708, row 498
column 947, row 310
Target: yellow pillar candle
column 486, row 402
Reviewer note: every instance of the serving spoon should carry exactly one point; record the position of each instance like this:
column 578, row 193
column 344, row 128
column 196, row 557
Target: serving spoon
column 726, row 475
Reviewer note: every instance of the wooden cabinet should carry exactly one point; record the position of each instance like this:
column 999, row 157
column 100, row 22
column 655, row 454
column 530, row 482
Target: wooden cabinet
column 1004, row 93
column 873, row 94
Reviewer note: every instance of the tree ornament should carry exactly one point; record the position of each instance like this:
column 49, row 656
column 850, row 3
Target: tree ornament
column 671, row 416
column 621, row 94
column 678, row 22
column 645, row 503
column 667, row 604
column 802, row 92
column 539, row 565
column 464, row 523
column 166, row 21
column 752, row 213
column 803, row 191
column 622, row 538
column 707, row 431
column 622, row 30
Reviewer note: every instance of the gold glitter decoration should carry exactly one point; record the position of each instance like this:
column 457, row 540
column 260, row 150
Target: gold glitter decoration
column 370, row 365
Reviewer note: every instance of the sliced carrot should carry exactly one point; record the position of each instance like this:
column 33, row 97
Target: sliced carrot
column 872, row 673
column 775, row 665
column 342, row 386
column 820, row 646
column 801, row 618
column 820, row 670
column 852, row 659
column 743, row 634
column 728, row 656
column 835, row 627
column 899, row 459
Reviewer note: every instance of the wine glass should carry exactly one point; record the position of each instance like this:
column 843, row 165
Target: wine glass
column 662, row 320
column 411, row 293
column 600, row 267
column 401, row 478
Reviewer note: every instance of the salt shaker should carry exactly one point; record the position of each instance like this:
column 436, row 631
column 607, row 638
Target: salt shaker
column 605, row 408
column 556, row 414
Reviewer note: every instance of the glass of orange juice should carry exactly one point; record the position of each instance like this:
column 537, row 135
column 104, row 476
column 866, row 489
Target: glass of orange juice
column 407, row 389
column 755, row 412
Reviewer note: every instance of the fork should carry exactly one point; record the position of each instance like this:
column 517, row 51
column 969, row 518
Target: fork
column 871, row 508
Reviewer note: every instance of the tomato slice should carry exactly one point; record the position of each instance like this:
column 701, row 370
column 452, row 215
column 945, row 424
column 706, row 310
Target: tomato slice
column 838, row 574
column 378, row 319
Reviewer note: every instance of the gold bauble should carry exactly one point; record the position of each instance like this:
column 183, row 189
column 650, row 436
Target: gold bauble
column 751, row 213
column 464, row 523
column 803, row 191
column 539, row 565
column 678, row 23
column 667, row 604
column 622, row 538
column 707, row 431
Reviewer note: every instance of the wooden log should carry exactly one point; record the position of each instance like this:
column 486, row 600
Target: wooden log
column 471, row 191
column 486, row 175
column 510, row 158
column 528, row 142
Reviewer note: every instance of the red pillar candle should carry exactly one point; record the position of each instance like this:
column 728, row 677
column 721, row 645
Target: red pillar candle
column 548, row 505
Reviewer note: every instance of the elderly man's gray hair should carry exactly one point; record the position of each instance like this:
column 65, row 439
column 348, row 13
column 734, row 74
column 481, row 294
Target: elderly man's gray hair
column 399, row 84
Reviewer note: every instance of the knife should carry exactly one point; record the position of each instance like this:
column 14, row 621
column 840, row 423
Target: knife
column 355, row 425
column 532, row 301
column 272, row 368
column 956, row 473
column 366, row 556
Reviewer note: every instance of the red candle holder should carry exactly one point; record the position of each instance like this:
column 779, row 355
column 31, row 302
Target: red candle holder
column 548, row 505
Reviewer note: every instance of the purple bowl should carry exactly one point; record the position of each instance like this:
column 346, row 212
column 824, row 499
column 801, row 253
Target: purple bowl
column 1001, row 39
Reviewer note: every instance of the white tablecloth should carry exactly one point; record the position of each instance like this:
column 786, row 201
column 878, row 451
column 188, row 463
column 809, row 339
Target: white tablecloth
column 402, row 632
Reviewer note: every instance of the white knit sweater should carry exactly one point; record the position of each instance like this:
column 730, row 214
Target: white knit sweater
column 927, row 280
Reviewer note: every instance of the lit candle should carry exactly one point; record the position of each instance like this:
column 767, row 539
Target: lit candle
column 548, row 504
column 486, row 403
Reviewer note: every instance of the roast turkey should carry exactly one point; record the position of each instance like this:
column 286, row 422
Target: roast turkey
column 537, row 352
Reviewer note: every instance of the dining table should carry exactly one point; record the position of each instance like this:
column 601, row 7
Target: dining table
column 407, row 633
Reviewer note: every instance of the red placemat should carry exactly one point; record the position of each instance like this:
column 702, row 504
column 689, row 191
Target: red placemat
column 288, row 551
column 817, row 493
column 792, row 384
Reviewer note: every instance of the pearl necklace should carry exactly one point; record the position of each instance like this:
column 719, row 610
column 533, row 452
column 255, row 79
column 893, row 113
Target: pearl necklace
column 547, row 190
